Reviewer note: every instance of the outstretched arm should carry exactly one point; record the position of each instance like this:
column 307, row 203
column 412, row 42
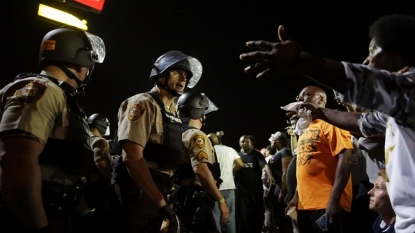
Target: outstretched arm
column 287, row 57
column 345, row 120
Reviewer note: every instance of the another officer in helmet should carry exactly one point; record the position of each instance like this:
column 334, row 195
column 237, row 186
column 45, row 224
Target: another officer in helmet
column 199, row 173
column 99, row 194
column 45, row 145
column 149, row 142
column 99, row 127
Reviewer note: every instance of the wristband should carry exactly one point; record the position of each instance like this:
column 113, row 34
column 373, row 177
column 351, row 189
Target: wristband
column 220, row 201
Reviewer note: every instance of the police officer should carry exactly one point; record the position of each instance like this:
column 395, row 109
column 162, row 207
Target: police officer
column 99, row 126
column 99, row 194
column 45, row 143
column 199, row 174
column 149, row 133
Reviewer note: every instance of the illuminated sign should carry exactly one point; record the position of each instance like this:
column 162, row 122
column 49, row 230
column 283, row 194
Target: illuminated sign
column 61, row 16
column 94, row 4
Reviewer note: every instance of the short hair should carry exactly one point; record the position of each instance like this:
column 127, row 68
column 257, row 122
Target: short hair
column 395, row 32
column 251, row 138
column 271, row 150
column 382, row 172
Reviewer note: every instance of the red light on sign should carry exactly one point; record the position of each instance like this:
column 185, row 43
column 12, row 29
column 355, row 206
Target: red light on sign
column 95, row 4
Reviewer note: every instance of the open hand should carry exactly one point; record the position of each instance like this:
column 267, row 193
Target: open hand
column 272, row 57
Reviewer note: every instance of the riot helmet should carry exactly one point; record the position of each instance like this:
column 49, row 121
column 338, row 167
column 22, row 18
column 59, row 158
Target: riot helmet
column 74, row 46
column 195, row 105
column 178, row 60
column 100, row 122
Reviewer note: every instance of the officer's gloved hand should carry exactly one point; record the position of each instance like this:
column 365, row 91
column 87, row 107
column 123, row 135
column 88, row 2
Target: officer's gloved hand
column 167, row 212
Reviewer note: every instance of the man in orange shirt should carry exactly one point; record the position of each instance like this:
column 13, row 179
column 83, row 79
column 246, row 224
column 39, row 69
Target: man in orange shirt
column 324, row 160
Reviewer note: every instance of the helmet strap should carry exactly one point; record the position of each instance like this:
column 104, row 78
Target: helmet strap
column 71, row 75
column 167, row 88
column 203, row 120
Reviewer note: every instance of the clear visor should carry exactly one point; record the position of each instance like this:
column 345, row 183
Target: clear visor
column 197, row 71
column 211, row 106
column 98, row 48
column 107, row 131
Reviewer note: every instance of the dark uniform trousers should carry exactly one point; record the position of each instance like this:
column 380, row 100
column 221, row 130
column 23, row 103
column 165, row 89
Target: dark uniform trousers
column 195, row 210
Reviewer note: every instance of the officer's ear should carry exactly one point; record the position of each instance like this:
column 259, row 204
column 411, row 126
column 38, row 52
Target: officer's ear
column 161, row 78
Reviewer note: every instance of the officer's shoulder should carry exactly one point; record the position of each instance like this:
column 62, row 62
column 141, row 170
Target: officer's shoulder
column 197, row 132
column 143, row 98
column 31, row 89
column 98, row 141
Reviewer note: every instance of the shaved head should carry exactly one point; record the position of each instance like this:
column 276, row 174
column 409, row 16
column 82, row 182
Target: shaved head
column 314, row 95
column 214, row 138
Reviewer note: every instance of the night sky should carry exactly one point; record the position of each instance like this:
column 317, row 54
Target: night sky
column 137, row 32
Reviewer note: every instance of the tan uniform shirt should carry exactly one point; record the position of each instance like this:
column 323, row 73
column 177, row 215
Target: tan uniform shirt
column 34, row 105
column 105, row 147
column 140, row 120
column 197, row 148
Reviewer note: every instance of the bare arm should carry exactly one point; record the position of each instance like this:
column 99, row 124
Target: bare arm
column 344, row 120
column 287, row 57
column 267, row 170
column 205, row 177
column 101, row 159
column 238, row 164
column 344, row 166
column 21, row 181
column 285, row 162
column 104, row 168
column 132, row 155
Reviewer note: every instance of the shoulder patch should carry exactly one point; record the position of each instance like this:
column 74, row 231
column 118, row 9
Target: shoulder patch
column 136, row 111
column 199, row 140
column 49, row 45
column 201, row 156
column 30, row 93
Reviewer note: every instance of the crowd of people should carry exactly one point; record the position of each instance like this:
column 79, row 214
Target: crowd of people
column 329, row 171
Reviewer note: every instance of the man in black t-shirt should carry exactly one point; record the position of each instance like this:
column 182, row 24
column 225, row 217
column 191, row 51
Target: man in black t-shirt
column 249, row 191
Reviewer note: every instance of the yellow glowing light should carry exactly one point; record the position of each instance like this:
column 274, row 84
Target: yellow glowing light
column 61, row 16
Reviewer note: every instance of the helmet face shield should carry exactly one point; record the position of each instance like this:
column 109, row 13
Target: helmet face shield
column 197, row 70
column 211, row 107
column 195, row 105
column 72, row 46
column 172, row 58
column 98, row 48
column 107, row 131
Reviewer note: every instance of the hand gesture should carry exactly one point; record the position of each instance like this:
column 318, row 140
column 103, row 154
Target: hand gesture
column 316, row 112
column 272, row 58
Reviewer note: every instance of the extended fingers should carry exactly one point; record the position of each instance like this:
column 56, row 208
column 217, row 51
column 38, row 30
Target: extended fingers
column 260, row 44
column 260, row 67
column 255, row 55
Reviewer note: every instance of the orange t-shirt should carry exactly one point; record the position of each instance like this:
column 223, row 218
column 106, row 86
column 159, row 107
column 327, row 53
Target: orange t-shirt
column 317, row 159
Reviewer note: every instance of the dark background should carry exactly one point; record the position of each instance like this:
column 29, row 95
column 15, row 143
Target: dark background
column 137, row 32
